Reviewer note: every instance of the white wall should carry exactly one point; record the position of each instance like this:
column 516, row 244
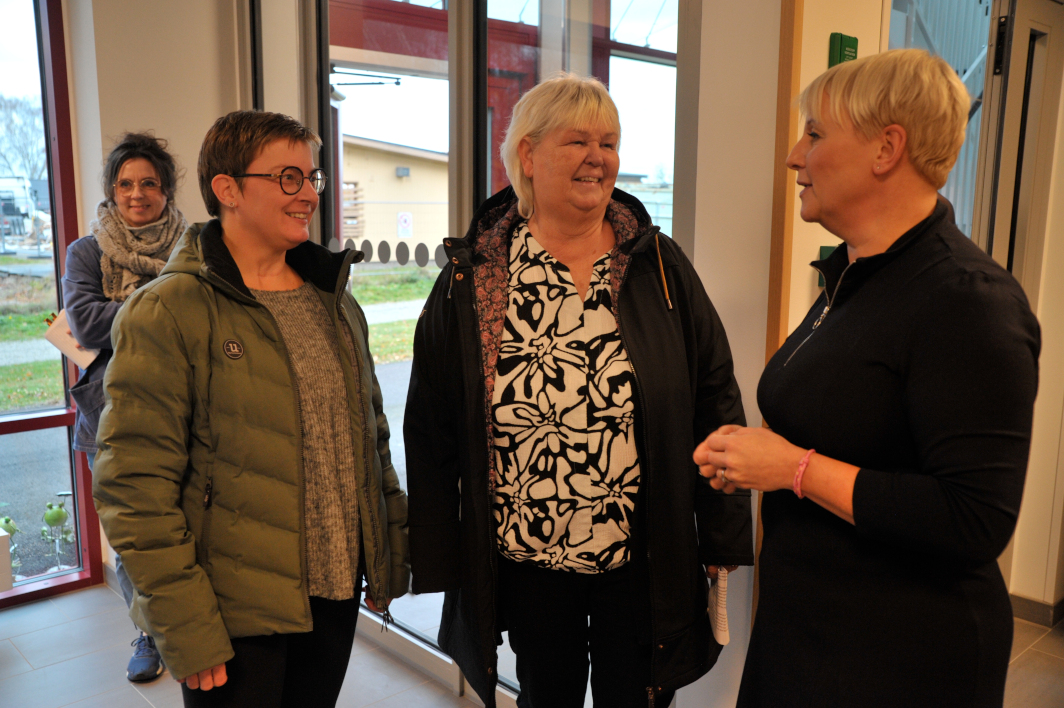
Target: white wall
column 169, row 67
column 1038, row 550
column 858, row 18
column 736, row 129
column 282, row 58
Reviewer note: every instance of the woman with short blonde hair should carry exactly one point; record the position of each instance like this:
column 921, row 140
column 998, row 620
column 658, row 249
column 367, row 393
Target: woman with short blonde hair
column 552, row 494
column 900, row 413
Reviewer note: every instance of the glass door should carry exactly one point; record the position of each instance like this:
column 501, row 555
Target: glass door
column 1023, row 96
column 391, row 92
column 630, row 45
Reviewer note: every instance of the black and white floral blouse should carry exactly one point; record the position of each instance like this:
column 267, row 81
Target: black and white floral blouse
column 563, row 418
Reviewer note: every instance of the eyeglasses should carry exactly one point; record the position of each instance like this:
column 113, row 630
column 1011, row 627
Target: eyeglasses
column 291, row 179
column 125, row 187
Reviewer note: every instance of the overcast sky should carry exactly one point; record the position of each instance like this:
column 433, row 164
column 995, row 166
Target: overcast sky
column 19, row 72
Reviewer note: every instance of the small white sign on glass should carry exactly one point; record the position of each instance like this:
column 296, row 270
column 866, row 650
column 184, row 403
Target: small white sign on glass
column 405, row 224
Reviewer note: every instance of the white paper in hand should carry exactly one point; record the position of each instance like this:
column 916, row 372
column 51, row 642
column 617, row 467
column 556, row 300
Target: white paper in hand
column 718, row 607
column 59, row 335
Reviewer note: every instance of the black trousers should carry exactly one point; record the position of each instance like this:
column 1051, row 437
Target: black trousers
column 287, row 670
column 561, row 622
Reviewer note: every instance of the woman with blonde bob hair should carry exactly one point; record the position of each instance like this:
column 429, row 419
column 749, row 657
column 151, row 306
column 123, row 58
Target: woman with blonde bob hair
column 900, row 413
column 567, row 361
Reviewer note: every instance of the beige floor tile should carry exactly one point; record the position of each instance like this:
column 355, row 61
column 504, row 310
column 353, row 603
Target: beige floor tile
column 125, row 697
column 91, row 601
column 1053, row 642
column 1036, row 680
column 163, row 692
column 70, row 639
column 66, row 682
column 361, row 646
column 29, row 618
column 11, row 661
column 1024, row 635
column 374, row 676
column 426, row 695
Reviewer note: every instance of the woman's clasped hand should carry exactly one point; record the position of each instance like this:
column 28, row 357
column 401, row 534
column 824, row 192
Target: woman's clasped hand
column 734, row 457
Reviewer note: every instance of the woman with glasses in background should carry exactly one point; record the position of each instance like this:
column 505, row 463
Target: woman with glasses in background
column 244, row 473
column 136, row 227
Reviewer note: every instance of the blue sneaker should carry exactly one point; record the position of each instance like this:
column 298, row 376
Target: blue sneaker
column 145, row 664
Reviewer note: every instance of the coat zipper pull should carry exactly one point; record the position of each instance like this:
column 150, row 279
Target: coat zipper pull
column 650, row 697
column 207, row 494
column 827, row 308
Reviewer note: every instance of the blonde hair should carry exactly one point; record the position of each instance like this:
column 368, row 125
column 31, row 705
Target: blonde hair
column 565, row 100
column 906, row 87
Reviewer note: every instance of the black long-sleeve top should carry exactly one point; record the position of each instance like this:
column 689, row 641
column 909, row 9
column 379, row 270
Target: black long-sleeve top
column 923, row 373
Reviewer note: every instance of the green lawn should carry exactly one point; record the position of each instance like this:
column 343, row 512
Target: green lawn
column 392, row 341
column 9, row 260
column 34, row 385
column 402, row 284
column 18, row 328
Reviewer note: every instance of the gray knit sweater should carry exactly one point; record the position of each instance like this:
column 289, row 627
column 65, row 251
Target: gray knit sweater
column 331, row 504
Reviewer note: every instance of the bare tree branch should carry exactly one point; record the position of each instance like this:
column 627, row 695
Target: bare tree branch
column 22, row 147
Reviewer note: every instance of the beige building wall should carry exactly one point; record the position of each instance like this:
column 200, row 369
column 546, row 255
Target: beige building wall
column 420, row 198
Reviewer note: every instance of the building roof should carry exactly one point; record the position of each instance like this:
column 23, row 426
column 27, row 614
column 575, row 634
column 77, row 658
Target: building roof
column 395, row 148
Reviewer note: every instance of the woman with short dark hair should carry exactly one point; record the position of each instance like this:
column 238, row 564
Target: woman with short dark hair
column 244, row 473
column 136, row 227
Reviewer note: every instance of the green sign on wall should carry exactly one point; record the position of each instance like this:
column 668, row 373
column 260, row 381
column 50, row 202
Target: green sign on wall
column 841, row 48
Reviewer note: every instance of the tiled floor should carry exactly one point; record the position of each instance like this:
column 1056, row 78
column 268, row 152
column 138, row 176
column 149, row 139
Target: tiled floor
column 1036, row 670
column 72, row 651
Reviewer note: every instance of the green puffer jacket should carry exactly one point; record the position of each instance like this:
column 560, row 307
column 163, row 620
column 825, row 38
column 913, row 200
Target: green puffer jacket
column 199, row 477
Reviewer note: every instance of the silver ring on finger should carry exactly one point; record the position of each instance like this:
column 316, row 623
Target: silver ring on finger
column 724, row 476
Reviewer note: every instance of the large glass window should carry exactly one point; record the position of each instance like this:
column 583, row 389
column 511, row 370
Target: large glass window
column 958, row 31
column 391, row 89
column 391, row 93
column 38, row 493
column 630, row 45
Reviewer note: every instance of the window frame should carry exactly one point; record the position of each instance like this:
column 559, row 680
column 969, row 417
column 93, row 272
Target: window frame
column 55, row 98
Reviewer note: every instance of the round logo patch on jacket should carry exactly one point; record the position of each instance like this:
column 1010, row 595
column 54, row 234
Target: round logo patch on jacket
column 233, row 349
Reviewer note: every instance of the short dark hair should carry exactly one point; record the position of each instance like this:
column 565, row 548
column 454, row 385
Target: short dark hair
column 131, row 146
column 236, row 139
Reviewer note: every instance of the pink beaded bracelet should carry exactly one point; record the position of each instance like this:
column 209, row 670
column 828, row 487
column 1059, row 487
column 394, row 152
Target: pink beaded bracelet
column 801, row 473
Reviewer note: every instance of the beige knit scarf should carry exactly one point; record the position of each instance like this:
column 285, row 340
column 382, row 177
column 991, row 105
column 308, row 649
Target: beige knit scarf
column 133, row 256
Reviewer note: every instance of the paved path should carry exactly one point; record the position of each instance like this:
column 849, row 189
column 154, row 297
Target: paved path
column 32, row 350
column 393, row 311
column 27, row 351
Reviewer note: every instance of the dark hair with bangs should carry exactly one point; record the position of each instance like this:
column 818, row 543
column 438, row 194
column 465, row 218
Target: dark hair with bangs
column 131, row 146
column 236, row 139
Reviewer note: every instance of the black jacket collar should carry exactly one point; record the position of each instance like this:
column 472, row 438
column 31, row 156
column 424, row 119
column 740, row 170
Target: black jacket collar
column 315, row 264
column 835, row 264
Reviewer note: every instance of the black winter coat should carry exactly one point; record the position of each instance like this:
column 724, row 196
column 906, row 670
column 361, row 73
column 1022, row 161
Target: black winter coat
column 685, row 388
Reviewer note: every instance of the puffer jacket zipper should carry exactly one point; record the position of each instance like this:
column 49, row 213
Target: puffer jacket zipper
column 827, row 309
column 301, row 472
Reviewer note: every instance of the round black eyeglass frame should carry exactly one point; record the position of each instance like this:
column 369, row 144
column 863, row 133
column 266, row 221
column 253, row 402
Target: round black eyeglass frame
column 293, row 178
